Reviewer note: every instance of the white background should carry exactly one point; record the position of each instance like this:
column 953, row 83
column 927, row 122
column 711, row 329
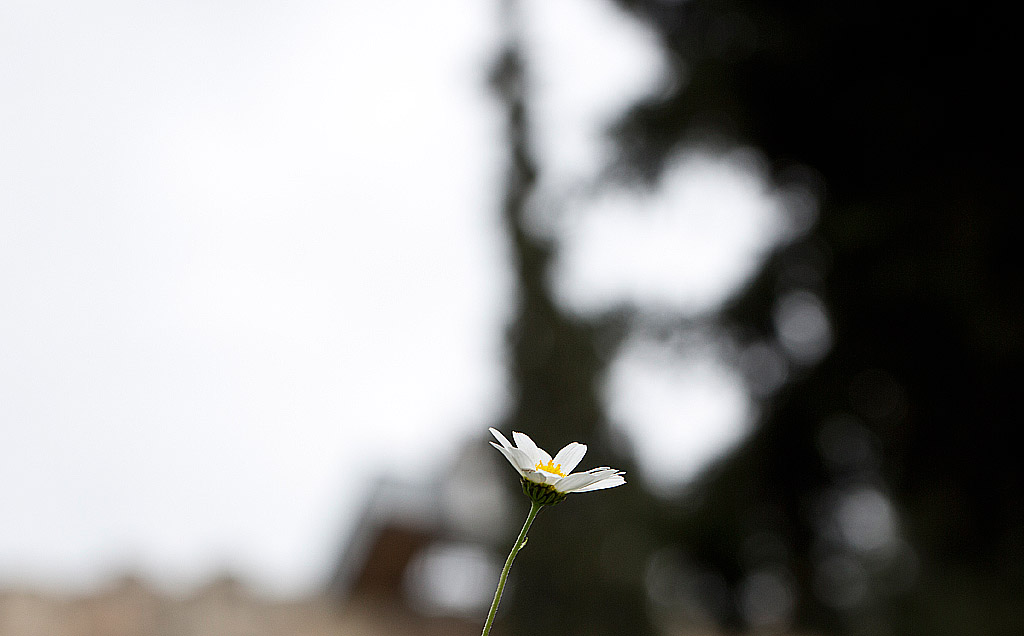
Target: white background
column 250, row 261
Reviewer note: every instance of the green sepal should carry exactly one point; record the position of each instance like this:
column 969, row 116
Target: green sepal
column 542, row 494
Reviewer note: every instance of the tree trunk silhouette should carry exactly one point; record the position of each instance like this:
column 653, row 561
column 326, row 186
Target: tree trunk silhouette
column 572, row 578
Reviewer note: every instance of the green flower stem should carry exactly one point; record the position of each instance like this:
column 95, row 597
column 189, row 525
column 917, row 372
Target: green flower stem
column 520, row 542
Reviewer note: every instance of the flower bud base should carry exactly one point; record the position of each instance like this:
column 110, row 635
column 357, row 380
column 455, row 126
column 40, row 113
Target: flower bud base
column 542, row 494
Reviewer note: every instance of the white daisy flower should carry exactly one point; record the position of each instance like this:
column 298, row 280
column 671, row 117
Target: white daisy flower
column 546, row 479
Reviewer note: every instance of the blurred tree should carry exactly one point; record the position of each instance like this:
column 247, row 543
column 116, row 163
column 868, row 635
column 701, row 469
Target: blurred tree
column 880, row 493
column 581, row 574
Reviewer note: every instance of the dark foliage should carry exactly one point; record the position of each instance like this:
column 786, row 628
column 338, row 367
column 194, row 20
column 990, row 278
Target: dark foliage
column 901, row 117
column 881, row 491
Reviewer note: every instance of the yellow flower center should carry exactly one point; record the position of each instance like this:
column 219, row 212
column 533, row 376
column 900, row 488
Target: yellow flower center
column 551, row 467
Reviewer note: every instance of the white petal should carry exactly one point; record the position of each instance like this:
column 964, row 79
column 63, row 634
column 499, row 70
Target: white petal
column 541, row 477
column 573, row 482
column 501, row 438
column 525, row 461
column 576, row 481
column 570, row 456
column 519, row 458
column 610, row 482
column 600, row 469
column 508, row 453
column 537, row 454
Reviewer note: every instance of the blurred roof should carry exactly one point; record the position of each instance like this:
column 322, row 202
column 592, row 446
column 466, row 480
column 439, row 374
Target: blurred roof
column 465, row 504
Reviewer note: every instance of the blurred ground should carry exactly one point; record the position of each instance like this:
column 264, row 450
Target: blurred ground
column 131, row 607
column 224, row 607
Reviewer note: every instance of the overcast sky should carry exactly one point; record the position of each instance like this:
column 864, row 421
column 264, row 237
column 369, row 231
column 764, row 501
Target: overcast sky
column 250, row 261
